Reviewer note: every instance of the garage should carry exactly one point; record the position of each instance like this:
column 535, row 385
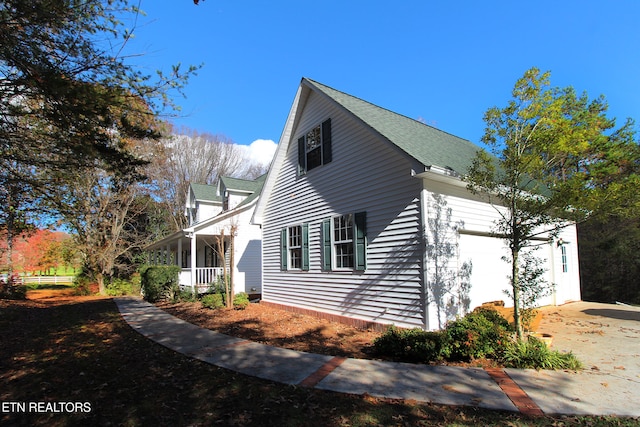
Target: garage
column 489, row 274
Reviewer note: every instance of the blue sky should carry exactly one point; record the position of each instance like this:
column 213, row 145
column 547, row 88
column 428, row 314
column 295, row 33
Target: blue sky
column 444, row 62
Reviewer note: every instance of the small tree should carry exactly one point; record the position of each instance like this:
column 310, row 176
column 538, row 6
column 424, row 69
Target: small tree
column 227, row 267
column 556, row 159
column 533, row 286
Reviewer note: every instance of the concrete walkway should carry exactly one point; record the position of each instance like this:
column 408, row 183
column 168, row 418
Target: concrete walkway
column 529, row 391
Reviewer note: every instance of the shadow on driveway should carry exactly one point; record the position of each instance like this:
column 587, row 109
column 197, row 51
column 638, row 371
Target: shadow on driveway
column 620, row 314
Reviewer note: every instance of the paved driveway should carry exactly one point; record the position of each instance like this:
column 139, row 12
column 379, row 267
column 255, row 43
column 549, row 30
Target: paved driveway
column 606, row 338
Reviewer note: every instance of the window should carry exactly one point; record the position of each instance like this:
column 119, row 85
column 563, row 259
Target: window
column 345, row 242
column 314, row 148
column 294, row 248
column 565, row 265
column 209, row 257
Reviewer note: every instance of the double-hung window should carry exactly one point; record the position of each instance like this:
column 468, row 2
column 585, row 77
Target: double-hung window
column 314, row 147
column 344, row 242
column 294, row 247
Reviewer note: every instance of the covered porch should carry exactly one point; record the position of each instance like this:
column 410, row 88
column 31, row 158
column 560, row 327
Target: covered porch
column 200, row 257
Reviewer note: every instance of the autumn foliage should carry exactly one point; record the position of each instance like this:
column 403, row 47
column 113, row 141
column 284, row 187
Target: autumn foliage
column 39, row 251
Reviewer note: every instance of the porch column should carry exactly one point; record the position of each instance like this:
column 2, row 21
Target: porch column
column 194, row 255
column 168, row 260
column 179, row 254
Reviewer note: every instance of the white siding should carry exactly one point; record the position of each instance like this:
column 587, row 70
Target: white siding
column 366, row 174
column 490, row 273
column 234, row 199
column 248, row 251
column 369, row 174
column 207, row 211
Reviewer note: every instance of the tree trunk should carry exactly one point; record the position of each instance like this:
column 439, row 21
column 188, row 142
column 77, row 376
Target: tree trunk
column 101, row 288
column 515, row 285
column 10, row 246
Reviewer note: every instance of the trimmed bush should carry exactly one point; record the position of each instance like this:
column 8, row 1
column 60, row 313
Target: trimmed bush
column 159, row 282
column 240, row 301
column 410, row 345
column 119, row 287
column 534, row 354
column 480, row 334
column 212, row 301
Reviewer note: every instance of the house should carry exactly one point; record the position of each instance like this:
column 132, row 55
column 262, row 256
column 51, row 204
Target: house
column 219, row 223
column 365, row 219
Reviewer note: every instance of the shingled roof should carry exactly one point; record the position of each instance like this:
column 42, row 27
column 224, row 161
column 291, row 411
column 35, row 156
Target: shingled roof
column 242, row 185
column 426, row 144
column 205, row 192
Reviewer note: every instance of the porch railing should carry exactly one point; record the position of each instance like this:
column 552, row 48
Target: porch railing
column 207, row 275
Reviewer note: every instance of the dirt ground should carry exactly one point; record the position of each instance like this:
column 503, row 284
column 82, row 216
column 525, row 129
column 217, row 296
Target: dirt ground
column 280, row 328
column 57, row 347
column 57, row 295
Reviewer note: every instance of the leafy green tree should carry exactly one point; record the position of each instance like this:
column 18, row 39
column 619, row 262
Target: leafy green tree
column 18, row 202
column 554, row 158
column 73, row 113
column 70, row 100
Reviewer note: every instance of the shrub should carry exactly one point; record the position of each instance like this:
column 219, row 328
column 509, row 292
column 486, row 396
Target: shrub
column 82, row 284
column 159, row 282
column 240, row 301
column 534, row 354
column 212, row 301
column 493, row 316
column 187, row 295
column 119, row 287
column 12, row 288
column 218, row 287
column 410, row 345
column 482, row 333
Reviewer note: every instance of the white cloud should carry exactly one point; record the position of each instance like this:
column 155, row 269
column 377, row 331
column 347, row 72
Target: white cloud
column 262, row 150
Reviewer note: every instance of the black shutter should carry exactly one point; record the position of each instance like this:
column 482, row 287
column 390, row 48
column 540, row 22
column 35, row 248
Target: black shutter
column 302, row 156
column 305, row 247
column 283, row 250
column 326, row 142
column 326, row 245
column 360, row 240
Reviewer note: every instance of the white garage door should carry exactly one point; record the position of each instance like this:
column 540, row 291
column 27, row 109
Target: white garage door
column 489, row 275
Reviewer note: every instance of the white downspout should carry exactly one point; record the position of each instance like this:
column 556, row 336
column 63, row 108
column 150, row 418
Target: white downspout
column 553, row 271
column 424, row 216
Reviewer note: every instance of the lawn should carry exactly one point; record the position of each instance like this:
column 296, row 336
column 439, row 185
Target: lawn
column 59, row 348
